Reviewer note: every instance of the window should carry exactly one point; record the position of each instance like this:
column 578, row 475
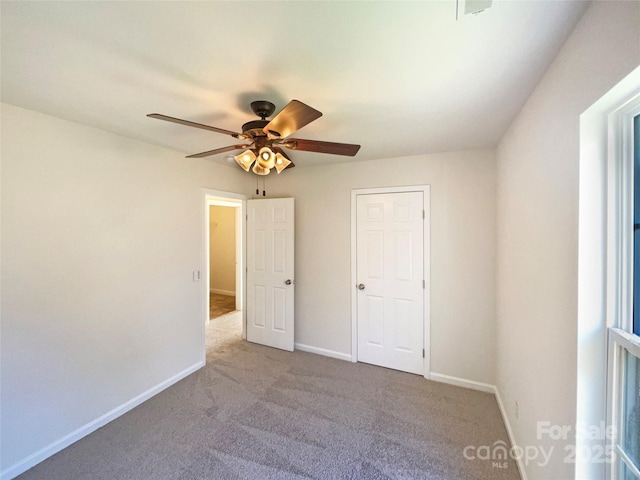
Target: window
column 636, row 225
column 623, row 299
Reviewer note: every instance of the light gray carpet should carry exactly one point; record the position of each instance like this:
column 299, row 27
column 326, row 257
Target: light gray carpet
column 259, row 413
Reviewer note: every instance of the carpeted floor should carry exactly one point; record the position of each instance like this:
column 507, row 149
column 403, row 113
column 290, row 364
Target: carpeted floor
column 259, row 413
column 220, row 305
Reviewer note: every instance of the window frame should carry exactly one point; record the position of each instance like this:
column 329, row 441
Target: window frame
column 620, row 243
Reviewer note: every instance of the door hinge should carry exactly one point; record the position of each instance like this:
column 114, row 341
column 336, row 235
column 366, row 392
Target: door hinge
column 423, row 353
column 424, row 215
column 424, row 284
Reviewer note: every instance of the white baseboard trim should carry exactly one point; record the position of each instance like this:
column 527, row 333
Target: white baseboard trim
column 512, row 440
column 53, row 448
column 323, row 351
column 462, row 382
column 485, row 387
column 229, row 293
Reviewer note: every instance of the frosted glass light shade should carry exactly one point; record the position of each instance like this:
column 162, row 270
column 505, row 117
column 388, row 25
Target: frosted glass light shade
column 260, row 170
column 245, row 159
column 281, row 162
column 266, row 158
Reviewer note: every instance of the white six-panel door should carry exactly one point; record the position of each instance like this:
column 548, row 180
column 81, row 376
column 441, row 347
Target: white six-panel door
column 390, row 280
column 270, row 269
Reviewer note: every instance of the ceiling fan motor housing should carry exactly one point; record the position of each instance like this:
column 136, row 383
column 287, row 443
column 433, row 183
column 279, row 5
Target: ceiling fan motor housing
column 255, row 128
column 263, row 108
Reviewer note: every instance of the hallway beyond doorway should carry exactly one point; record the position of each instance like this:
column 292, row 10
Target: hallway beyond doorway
column 220, row 305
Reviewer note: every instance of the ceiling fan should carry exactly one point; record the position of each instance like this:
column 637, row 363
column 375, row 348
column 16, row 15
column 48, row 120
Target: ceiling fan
column 266, row 138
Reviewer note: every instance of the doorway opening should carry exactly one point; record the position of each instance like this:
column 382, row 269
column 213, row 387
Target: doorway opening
column 223, row 269
column 223, row 260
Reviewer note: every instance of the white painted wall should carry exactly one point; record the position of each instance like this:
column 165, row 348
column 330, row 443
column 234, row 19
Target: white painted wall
column 100, row 235
column 88, row 306
column 222, row 249
column 538, row 172
column 462, row 252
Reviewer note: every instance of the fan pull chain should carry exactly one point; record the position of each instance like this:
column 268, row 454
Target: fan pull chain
column 264, row 191
column 257, row 185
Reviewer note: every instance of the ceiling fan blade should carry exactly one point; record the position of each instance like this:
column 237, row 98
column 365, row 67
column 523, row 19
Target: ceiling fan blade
column 167, row 118
column 333, row 148
column 218, row 150
column 280, row 151
column 291, row 118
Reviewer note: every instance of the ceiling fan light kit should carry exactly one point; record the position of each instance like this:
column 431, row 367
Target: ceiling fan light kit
column 267, row 136
column 281, row 162
column 266, row 158
column 245, row 159
column 259, row 170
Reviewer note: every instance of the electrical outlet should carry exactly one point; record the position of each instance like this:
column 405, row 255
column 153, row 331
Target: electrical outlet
column 517, row 409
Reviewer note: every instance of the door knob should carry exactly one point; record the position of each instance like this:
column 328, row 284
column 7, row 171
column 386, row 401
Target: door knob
column 287, row 282
column 361, row 286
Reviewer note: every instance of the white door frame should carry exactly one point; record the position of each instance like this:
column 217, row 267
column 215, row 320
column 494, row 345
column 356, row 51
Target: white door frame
column 425, row 189
column 224, row 199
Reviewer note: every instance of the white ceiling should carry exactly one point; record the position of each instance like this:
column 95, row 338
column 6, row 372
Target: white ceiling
column 399, row 78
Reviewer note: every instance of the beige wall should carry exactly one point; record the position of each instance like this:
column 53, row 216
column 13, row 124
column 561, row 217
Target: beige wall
column 222, row 249
column 100, row 236
column 462, row 252
column 538, row 170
